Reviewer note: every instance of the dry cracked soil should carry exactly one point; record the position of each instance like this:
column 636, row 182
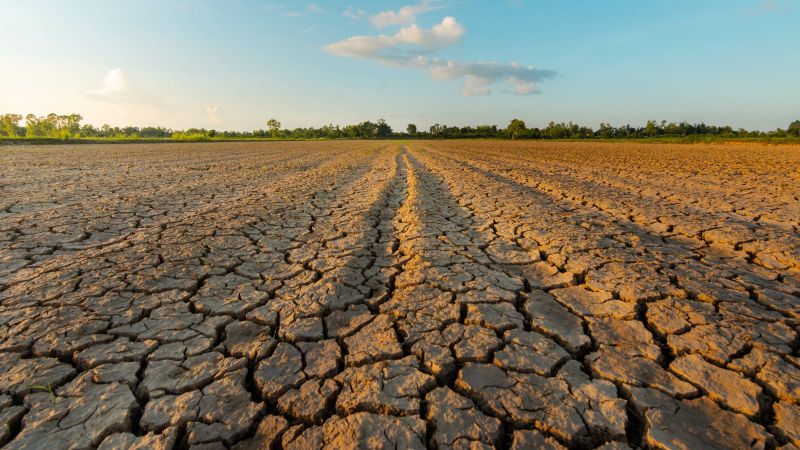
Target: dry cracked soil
column 384, row 295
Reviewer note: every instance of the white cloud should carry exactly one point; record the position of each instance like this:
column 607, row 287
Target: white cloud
column 412, row 45
column 313, row 8
column 114, row 82
column 442, row 35
column 404, row 16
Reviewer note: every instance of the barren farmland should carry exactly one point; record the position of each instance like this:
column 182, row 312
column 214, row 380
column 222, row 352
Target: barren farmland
column 374, row 294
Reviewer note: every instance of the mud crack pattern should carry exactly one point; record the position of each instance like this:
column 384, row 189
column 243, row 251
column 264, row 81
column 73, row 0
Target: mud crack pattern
column 380, row 295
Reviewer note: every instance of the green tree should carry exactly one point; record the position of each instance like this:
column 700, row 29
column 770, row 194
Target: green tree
column 651, row 129
column 606, row 130
column 351, row 131
column 516, row 128
column 794, row 129
column 274, row 127
column 330, row 131
column 9, row 124
column 558, row 130
column 411, row 129
column 437, row 130
column 367, row 129
column 53, row 126
column 383, row 130
column 32, row 126
column 68, row 126
column 88, row 130
column 486, row 131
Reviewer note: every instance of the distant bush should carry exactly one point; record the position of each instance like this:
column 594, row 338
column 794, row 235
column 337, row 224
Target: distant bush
column 190, row 137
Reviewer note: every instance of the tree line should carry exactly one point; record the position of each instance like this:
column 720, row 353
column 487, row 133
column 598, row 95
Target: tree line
column 69, row 127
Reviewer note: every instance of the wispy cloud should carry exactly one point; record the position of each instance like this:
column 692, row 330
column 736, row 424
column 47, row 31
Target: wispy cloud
column 404, row 16
column 413, row 46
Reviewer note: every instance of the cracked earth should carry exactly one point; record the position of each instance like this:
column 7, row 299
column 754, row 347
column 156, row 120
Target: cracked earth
column 379, row 295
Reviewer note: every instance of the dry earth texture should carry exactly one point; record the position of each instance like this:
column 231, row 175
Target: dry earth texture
column 377, row 295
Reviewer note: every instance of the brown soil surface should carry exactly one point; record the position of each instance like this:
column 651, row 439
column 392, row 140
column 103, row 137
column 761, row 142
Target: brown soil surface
column 442, row 294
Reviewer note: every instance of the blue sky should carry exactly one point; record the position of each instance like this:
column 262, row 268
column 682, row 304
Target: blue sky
column 234, row 64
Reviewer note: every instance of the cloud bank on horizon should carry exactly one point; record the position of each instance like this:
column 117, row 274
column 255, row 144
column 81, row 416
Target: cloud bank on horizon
column 413, row 47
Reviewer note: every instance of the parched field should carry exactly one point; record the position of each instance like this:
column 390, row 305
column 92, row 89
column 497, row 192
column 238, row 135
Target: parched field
column 384, row 295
